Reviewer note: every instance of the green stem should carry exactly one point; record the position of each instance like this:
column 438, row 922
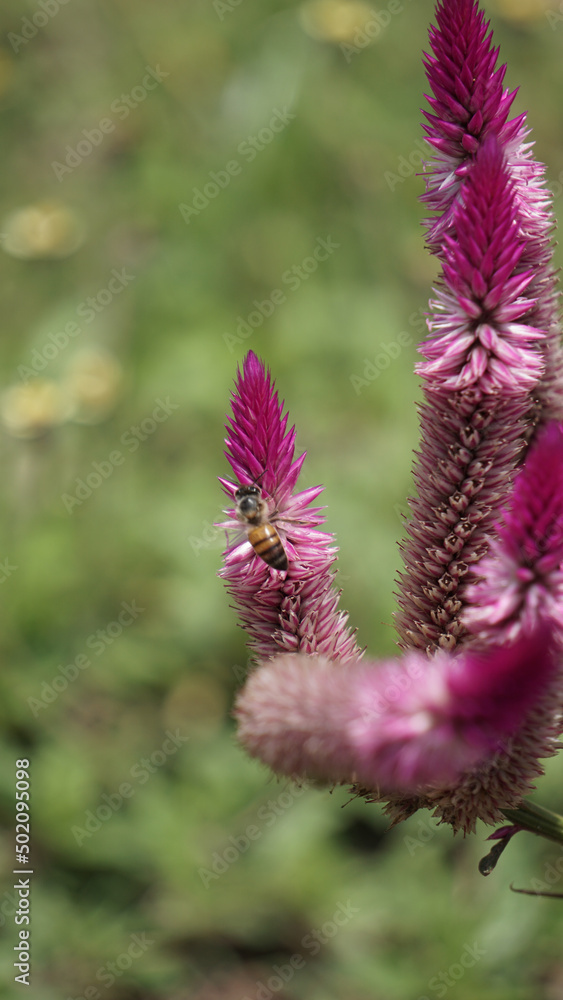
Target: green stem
column 537, row 820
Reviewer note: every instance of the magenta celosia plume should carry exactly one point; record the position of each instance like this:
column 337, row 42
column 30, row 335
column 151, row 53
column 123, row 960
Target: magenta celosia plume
column 396, row 725
column 460, row 722
column 521, row 578
column 480, row 330
column 468, row 106
column 492, row 367
column 296, row 610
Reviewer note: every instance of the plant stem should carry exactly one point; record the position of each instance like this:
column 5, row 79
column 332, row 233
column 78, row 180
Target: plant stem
column 536, row 819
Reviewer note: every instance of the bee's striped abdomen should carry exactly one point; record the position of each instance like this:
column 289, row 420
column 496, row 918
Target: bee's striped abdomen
column 267, row 544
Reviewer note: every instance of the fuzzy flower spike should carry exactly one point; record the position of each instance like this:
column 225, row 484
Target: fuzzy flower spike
column 282, row 610
column 460, row 723
column 492, row 369
column 521, row 579
column 469, row 105
column 483, row 365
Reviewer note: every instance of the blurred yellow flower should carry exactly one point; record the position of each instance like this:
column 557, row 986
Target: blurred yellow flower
column 29, row 411
column 45, row 229
column 91, row 384
column 522, row 10
column 334, row 20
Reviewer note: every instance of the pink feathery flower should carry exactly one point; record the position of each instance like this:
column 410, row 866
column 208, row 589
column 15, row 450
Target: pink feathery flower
column 294, row 608
column 521, row 578
column 482, row 368
column 480, row 330
column 492, row 370
column 412, row 726
column 468, row 106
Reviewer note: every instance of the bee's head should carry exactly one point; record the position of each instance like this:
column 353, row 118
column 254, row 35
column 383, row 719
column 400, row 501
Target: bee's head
column 248, row 500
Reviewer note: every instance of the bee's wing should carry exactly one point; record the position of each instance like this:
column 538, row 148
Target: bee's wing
column 235, row 535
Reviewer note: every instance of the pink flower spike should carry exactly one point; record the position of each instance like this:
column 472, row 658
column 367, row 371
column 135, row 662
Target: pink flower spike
column 398, row 727
column 294, row 608
column 469, row 103
column 469, row 107
column 493, row 368
column 470, row 344
column 521, row 578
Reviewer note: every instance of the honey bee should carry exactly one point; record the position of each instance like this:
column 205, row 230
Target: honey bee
column 252, row 511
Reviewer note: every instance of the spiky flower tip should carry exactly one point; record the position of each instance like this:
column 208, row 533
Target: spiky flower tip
column 521, row 577
column 469, row 106
column 480, row 330
column 294, row 609
column 411, row 726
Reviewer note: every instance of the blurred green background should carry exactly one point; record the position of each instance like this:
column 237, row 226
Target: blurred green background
column 147, row 207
